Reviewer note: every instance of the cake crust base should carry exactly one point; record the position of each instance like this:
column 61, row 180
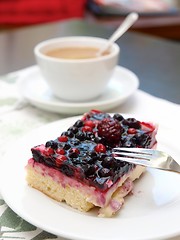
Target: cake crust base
column 51, row 188
column 75, row 197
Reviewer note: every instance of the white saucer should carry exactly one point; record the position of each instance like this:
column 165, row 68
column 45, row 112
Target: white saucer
column 33, row 87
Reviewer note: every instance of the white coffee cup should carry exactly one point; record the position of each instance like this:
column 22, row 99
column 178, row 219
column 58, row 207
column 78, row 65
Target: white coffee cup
column 76, row 79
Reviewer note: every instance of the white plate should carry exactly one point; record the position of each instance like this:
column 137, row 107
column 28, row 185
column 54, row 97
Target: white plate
column 151, row 213
column 33, row 87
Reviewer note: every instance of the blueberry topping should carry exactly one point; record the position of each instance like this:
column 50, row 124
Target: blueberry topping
column 73, row 129
column 78, row 123
column 52, row 144
column 66, row 146
column 133, row 123
column 104, row 172
column 84, row 151
column 100, row 182
column 89, row 170
column 118, row 117
column 89, row 136
column 97, row 139
column 109, row 162
column 75, row 141
column 66, row 170
column 37, row 155
column 80, row 136
column 69, row 134
column 73, row 153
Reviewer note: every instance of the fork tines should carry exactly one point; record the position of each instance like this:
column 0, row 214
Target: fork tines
column 147, row 157
column 133, row 155
column 139, row 153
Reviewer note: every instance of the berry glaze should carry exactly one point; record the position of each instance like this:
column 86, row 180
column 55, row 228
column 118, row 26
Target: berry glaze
column 84, row 151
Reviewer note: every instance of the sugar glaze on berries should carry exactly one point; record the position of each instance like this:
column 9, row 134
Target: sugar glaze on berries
column 84, row 151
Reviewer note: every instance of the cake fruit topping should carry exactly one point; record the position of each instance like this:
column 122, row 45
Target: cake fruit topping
column 83, row 152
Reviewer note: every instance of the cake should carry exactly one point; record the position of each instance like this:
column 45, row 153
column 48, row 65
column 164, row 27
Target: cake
column 78, row 167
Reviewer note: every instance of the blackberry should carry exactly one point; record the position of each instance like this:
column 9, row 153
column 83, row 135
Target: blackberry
column 110, row 130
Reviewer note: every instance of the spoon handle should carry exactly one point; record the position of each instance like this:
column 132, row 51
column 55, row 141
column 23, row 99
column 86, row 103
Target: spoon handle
column 126, row 24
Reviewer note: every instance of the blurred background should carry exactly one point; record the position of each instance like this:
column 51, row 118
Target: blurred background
column 159, row 18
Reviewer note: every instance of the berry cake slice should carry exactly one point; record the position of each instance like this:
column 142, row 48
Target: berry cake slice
column 78, row 167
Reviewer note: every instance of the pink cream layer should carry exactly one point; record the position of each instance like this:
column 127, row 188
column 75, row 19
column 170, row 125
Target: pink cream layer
column 92, row 194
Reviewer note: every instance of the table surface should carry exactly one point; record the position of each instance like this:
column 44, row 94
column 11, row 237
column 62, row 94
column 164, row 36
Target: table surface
column 155, row 61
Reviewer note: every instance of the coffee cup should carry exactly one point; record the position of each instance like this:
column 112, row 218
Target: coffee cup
column 72, row 69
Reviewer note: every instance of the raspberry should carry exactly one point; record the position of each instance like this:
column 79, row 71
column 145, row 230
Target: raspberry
column 110, row 130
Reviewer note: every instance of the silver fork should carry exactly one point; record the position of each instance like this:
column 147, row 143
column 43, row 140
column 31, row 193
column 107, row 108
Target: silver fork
column 147, row 157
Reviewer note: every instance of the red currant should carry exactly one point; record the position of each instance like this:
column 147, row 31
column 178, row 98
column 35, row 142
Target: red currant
column 87, row 129
column 94, row 111
column 132, row 130
column 75, row 150
column 60, row 151
column 89, row 123
column 60, row 159
column 63, row 138
column 48, row 151
column 100, row 148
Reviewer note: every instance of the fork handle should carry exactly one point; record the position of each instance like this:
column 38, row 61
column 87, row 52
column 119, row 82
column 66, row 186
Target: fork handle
column 173, row 165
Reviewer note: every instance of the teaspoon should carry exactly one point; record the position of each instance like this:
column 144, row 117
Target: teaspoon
column 125, row 25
